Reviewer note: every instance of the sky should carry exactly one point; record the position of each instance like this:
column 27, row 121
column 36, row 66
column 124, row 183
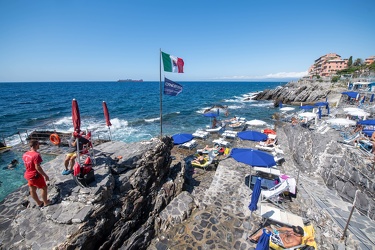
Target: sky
column 219, row 40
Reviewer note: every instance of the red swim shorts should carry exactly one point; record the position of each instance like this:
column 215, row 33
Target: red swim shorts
column 39, row 182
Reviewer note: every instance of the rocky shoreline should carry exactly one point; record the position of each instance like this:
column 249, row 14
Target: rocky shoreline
column 151, row 198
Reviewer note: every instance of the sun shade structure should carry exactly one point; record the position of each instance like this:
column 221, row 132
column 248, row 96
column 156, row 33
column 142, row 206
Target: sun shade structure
column 351, row 94
column 367, row 122
column 286, row 109
column 256, row 123
column 210, row 114
column 106, row 116
column 341, row 122
column 255, row 195
column 76, row 117
column 181, row 138
column 307, row 107
column 252, row 135
column 264, row 241
column 253, row 157
column 319, row 104
column 308, row 115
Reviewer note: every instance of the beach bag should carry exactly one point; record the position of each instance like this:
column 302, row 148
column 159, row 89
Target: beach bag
column 84, row 174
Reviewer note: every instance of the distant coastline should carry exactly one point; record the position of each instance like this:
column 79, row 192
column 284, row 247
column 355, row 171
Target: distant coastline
column 130, row 80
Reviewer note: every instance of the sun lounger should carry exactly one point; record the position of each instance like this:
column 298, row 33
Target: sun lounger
column 189, row 145
column 214, row 130
column 273, row 194
column 221, row 142
column 280, row 216
column 201, row 134
column 211, row 157
column 230, row 134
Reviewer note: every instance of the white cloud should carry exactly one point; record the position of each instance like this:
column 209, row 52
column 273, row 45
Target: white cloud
column 279, row 75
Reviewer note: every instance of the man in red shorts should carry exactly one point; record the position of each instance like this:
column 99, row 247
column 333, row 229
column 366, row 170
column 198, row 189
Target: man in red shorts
column 35, row 175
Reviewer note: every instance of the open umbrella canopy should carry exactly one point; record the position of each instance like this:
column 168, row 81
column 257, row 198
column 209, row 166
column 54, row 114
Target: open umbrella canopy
column 256, row 123
column 76, row 117
column 255, row 195
column 350, row 109
column 253, row 157
column 252, row 135
column 351, row 94
column 341, row 122
column 210, row 114
column 307, row 107
column 319, row 104
column 367, row 122
column 287, row 109
column 308, row 115
column 181, row 138
column 358, row 113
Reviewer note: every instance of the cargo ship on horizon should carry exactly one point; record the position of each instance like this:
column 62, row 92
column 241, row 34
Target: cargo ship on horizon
column 130, row 80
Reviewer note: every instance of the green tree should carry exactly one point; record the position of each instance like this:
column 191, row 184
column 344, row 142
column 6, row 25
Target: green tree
column 335, row 78
column 358, row 62
column 371, row 67
column 350, row 61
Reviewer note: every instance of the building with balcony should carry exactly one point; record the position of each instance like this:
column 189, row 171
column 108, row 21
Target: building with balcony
column 369, row 60
column 328, row 65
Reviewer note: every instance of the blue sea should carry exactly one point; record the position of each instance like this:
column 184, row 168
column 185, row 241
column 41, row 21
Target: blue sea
column 134, row 109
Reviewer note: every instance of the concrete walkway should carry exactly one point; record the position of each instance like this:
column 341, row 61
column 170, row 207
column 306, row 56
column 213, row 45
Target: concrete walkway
column 361, row 228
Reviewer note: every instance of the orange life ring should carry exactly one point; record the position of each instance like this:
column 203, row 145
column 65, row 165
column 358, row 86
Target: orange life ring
column 55, row 139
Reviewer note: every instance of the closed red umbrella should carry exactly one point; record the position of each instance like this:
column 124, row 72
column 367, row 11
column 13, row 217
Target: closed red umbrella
column 106, row 116
column 76, row 117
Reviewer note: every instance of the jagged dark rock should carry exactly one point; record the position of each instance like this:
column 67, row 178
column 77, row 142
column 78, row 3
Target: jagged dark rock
column 302, row 92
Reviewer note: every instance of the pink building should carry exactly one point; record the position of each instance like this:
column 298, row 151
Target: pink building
column 328, row 65
column 370, row 60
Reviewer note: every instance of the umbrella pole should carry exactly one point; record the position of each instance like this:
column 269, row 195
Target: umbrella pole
column 77, row 144
column 110, row 136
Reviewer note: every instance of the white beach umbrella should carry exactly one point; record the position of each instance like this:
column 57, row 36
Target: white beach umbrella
column 256, row 123
column 351, row 109
column 341, row 122
column 359, row 113
column 287, row 109
column 308, row 114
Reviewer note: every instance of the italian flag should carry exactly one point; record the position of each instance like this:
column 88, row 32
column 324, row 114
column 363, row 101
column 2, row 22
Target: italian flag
column 172, row 63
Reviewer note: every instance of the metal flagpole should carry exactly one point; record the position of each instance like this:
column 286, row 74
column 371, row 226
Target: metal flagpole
column 161, row 101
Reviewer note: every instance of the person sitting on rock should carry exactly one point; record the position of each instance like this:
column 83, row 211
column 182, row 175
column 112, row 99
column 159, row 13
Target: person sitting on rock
column 200, row 159
column 294, row 121
column 72, row 154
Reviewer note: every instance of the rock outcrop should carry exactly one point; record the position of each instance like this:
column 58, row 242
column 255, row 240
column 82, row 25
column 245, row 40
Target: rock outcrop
column 303, row 92
column 134, row 183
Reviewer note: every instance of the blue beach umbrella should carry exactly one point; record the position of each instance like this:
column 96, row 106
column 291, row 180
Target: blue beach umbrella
column 255, row 195
column 319, row 104
column 253, row 157
column 210, row 114
column 264, row 241
column 181, row 138
column 351, row 94
column 252, row 135
column 372, row 98
column 307, row 107
column 367, row 122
